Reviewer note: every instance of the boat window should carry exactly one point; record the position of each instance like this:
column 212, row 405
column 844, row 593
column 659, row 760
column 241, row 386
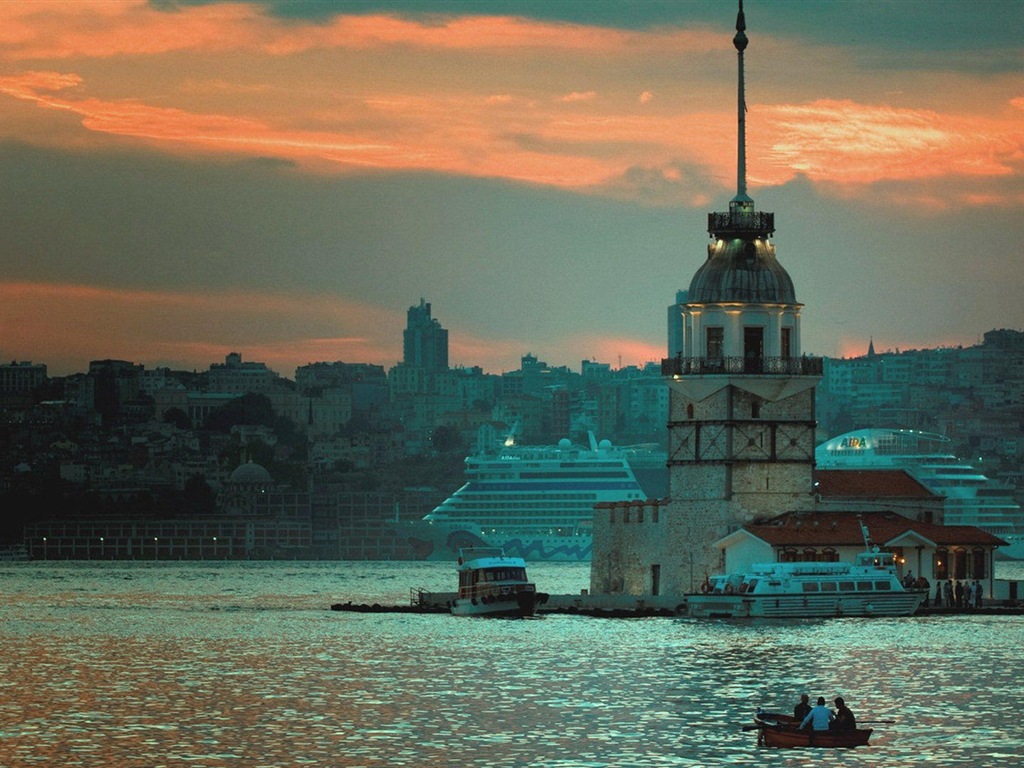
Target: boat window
column 883, row 585
column 810, row 586
column 864, row 586
column 828, row 586
column 751, row 584
column 846, row 586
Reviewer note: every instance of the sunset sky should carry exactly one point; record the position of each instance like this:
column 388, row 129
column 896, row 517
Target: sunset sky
column 284, row 179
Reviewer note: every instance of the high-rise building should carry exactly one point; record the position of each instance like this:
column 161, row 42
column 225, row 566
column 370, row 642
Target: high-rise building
column 424, row 341
column 675, row 325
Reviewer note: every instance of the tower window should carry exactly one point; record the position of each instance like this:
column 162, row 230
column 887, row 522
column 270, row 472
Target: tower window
column 755, row 409
column 786, row 346
column 715, row 341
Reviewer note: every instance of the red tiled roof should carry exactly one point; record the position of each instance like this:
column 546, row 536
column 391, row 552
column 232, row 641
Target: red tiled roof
column 869, row 483
column 818, row 529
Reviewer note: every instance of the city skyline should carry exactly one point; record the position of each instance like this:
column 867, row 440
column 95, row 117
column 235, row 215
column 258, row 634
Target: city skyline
column 286, row 179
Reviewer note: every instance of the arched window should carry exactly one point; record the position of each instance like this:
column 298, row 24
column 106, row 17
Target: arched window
column 829, row 555
column 788, row 555
column 810, row 554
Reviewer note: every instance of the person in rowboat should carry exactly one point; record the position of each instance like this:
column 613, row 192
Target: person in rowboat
column 820, row 716
column 844, row 720
column 801, row 710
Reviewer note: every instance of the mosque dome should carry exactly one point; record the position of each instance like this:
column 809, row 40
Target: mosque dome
column 250, row 474
column 745, row 271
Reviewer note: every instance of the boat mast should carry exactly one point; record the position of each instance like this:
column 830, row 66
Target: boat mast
column 864, row 533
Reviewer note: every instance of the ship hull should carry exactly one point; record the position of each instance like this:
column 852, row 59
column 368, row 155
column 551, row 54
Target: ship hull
column 441, row 541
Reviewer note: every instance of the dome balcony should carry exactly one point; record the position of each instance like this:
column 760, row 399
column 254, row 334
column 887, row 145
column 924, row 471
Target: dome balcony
column 730, row 366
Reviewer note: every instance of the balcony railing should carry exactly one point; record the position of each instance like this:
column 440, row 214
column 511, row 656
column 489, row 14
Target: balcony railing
column 760, row 366
column 741, row 222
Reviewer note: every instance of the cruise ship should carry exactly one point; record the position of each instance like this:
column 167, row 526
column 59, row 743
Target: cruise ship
column 537, row 502
column 971, row 497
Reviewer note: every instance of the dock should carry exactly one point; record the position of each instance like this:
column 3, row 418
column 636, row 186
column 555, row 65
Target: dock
column 621, row 606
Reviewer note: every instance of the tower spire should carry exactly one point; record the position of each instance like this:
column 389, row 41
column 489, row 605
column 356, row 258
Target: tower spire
column 740, row 41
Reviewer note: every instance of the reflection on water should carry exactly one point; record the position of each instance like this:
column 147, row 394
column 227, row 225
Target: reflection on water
column 242, row 665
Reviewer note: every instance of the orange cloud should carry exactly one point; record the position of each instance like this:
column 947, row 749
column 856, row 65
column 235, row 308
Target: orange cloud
column 485, row 96
column 842, row 142
column 37, row 29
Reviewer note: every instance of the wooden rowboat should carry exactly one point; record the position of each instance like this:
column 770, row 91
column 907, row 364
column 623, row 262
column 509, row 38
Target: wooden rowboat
column 778, row 730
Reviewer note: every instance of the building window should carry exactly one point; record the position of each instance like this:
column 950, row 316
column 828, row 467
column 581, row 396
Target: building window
column 786, row 348
column 689, row 410
column 715, row 341
column 941, row 567
column 978, row 561
column 960, row 564
column 755, row 409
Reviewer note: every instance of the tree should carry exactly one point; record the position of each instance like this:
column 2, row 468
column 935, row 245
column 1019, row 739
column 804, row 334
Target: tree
column 198, row 496
column 178, row 418
column 445, row 439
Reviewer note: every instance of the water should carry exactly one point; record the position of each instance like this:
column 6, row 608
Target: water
column 242, row 664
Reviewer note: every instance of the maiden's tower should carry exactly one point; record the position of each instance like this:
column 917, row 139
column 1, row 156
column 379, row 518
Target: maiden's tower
column 741, row 408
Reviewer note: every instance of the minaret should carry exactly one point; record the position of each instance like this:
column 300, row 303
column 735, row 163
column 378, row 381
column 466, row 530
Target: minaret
column 741, row 405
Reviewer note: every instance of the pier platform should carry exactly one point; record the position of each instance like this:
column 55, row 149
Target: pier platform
column 620, row 606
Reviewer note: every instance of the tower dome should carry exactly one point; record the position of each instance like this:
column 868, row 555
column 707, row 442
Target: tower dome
column 743, row 271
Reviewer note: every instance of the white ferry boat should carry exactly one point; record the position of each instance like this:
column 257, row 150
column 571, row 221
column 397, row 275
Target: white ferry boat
column 971, row 498
column 537, row 502
column 867, row 587
column 493, row 584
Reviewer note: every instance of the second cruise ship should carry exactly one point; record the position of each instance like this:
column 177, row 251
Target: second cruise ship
column 971, row 498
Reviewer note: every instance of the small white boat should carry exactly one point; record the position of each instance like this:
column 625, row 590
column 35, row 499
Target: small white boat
column 869, row 586
column 492, row 583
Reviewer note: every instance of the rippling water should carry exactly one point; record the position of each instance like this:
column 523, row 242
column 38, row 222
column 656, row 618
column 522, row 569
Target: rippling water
column 229, row 664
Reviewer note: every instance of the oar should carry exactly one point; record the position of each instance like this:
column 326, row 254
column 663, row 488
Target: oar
column 875, row 722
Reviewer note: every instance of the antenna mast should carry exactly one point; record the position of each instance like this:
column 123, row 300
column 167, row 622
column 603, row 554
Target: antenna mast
column 740, row 41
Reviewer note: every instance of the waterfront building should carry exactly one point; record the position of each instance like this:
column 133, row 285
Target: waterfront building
column 741, row 408
column 937, row 552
